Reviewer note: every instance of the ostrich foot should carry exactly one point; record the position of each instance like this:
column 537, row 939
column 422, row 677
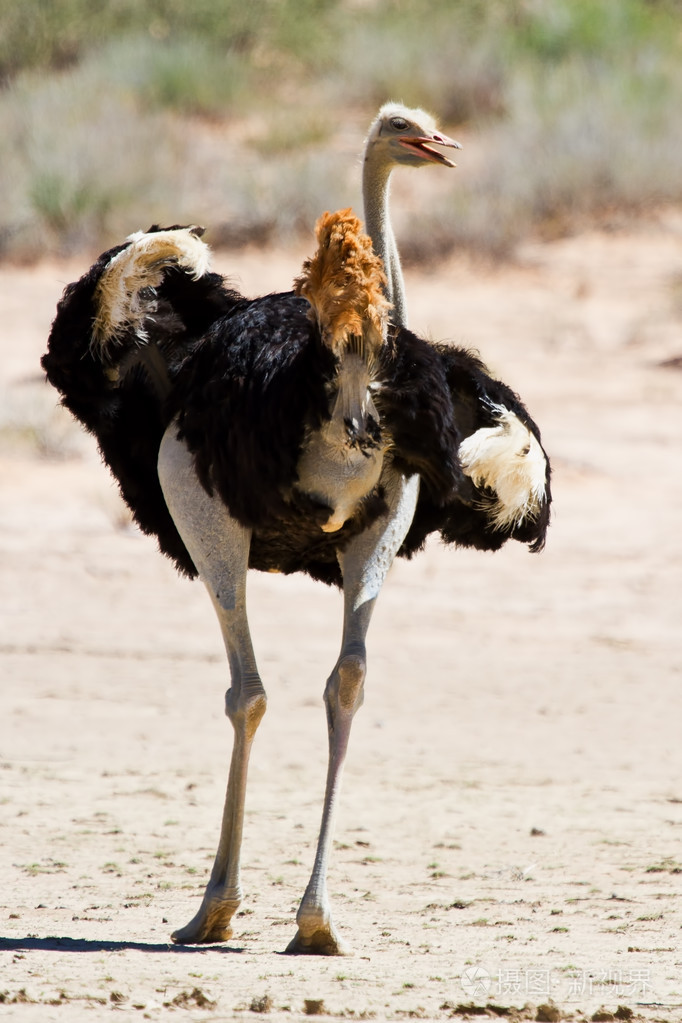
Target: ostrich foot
column 211, row 924
column 317, row 937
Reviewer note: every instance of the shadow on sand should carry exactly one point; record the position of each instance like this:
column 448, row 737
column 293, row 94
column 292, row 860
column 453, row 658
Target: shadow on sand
column 62, row 944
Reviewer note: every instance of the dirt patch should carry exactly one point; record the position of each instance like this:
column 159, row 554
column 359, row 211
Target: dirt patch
column 509, row 834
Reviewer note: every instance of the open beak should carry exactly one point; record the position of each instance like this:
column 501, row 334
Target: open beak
column 421, row 145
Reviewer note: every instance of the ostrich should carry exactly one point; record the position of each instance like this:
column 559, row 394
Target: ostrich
column 295, row 432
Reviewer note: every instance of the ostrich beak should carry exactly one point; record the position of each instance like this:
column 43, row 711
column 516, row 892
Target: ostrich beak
column 421, row 145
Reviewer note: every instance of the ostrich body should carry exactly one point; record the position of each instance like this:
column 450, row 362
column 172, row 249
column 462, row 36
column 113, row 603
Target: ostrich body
column 295, row 432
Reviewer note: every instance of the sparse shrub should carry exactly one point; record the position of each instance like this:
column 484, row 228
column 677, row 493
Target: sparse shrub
column 77, row 163
column 190, row 76
column 572, row 104
column 577, row 142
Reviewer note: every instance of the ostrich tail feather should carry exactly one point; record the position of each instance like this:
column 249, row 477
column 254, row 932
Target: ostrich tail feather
column 125, row 294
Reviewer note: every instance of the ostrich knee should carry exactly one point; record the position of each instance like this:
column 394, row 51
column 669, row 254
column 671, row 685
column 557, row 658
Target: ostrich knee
column 344, row 694
column 246, row 706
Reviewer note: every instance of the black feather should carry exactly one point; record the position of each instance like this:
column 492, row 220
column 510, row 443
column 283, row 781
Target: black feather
column 246, row 380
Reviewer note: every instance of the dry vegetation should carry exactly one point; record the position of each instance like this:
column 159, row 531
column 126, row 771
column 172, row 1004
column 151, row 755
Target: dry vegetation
column 248, row 117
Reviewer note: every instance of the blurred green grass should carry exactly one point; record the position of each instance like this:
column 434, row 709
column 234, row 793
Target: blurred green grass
column 248, row 117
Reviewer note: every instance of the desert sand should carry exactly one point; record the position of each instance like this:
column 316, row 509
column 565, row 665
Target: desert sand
column 511, row 823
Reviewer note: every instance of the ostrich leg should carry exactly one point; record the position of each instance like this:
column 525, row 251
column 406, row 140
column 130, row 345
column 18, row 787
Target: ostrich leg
column 364, row 565
column 220, row 550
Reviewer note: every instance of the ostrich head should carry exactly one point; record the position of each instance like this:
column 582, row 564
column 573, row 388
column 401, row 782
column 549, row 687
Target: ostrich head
column 400, row 135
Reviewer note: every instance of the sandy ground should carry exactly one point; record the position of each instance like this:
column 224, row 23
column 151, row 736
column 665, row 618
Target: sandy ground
column 510, row 828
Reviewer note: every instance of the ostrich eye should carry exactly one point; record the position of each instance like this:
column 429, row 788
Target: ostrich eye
column 399, row 123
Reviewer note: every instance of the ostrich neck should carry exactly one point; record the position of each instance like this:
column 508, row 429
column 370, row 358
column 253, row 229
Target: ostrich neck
column 375, row 190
